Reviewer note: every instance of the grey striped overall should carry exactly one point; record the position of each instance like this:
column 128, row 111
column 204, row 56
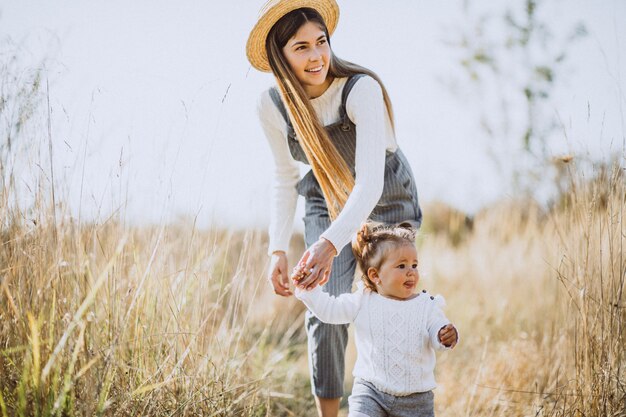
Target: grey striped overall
column 327, row 342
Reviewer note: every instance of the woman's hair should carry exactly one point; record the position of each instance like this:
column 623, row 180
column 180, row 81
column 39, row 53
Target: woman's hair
column 374, row 241
column 329, row 168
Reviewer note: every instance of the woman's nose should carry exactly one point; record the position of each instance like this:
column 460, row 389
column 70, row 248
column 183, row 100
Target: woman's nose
column 316, row 55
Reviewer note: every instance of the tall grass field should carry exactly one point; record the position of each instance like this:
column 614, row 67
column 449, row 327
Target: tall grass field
column 109, row 319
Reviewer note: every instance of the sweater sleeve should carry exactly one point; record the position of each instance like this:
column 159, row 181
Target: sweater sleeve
column 329, row 309
column 366, row 108
column 284, row 196
column 436, row 320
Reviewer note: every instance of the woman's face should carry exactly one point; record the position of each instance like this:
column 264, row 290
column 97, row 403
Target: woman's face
column 308, row 55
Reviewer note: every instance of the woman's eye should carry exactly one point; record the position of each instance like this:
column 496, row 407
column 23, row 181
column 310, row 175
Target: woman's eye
column 299, row 48
column 322, row 41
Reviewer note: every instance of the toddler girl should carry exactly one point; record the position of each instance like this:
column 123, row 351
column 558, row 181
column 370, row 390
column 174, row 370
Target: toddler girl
column 396, row 329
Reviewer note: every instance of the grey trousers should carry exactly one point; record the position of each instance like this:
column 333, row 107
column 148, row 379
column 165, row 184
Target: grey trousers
column 367, row 401
column 327, row 342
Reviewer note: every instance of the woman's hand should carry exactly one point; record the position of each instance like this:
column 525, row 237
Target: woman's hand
column 315, row 265
column 278, row 275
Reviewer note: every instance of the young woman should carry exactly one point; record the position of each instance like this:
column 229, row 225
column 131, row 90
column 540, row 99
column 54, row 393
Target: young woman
column 337, row 117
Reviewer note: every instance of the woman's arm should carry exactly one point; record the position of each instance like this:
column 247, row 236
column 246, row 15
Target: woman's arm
column 366, row 108
column 329, row 309
column 284, row 196
column 286, row 175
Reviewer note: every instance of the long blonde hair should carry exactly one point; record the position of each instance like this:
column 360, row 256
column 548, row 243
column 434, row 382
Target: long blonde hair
column 329, row 168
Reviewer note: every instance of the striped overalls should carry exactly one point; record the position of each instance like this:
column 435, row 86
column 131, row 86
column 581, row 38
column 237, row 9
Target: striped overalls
column 398, row 203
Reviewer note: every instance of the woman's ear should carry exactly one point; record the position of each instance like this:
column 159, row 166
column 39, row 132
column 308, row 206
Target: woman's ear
column 372, row 274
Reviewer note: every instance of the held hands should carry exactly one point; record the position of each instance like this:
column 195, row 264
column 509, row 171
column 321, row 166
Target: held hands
column 277, row 275
column 315, row 265
column 448, row 336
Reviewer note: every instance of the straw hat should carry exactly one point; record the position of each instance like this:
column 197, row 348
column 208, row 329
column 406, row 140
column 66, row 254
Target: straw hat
column 271, row 13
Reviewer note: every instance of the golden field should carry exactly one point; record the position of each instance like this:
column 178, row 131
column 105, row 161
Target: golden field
column 112, row 319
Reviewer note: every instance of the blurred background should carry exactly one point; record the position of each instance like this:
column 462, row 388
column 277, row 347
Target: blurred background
column 135, row 182
column 152, row 105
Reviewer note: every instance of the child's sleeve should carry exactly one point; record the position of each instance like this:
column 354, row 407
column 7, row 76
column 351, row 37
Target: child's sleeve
column 329, row 309
column 436, row 320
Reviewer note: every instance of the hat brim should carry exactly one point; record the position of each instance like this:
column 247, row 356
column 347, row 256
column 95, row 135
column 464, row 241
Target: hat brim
column 271, row 13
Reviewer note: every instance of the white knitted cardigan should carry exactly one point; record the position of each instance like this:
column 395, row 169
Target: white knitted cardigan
column 366, row 108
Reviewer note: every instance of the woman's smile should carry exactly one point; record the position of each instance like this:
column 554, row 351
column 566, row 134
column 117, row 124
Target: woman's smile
column 315, row 71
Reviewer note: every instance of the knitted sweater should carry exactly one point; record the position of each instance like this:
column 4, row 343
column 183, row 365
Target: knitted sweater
column 366, row 108
column 395, row 339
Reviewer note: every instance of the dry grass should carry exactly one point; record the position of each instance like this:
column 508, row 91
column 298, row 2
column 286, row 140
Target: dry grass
column 110, row 319
column 107, row 319
column 539, row 299
column 101, row 319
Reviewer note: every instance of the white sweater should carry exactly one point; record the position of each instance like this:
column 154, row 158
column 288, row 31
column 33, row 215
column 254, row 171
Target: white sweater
column 366, row 108
column 395, row 339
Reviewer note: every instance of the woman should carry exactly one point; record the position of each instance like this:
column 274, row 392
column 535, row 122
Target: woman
column 336, row 117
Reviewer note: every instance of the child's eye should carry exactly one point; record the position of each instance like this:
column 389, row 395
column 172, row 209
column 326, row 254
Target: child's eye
column 414, row 266
column 401, row 266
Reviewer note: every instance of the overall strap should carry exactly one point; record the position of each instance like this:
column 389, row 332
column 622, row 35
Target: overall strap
column 343, row 114
column 278, row 102
column 275, row 95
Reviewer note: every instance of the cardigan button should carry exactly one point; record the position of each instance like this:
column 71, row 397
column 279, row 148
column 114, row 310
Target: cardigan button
column 345, row 128
column 423, row 290
column 432, row 298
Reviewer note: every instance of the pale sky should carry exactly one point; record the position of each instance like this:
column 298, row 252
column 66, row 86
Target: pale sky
column 154, row 104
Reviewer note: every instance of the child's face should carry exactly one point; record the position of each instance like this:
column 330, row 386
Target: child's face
column 398, row 275
column 309, row 50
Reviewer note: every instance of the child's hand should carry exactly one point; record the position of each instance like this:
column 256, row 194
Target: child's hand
column 301, row 274
column 448, row 335
column 315, row 266
column 298, row 273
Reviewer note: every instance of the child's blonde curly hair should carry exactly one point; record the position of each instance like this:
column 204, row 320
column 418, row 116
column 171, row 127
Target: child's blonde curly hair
column 373, row 242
